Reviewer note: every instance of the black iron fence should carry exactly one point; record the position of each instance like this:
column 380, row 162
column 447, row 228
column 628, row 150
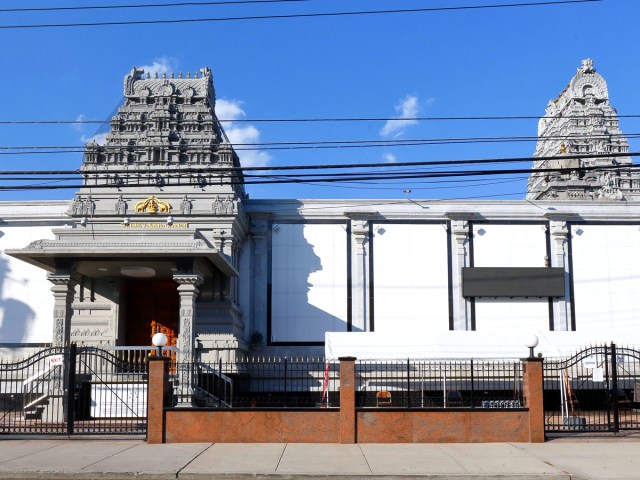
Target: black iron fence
column 595, row 390
column 298, row 383
column 439, row 383
column 75, row 390
column 258, row 382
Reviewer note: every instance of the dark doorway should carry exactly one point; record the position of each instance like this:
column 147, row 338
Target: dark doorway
column 150, row 306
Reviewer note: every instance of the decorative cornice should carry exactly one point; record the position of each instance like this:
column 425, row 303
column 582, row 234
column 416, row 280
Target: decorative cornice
column 57, row 244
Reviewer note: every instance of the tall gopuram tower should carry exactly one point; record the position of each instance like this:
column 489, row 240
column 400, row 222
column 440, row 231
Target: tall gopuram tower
column 157, row 225
column 580, row 122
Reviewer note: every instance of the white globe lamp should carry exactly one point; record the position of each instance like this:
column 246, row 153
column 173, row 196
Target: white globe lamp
column 531, row 342
column 159, row 340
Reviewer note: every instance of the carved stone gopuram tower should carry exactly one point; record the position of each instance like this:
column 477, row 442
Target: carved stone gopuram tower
column 157, row 227
column 580, row 121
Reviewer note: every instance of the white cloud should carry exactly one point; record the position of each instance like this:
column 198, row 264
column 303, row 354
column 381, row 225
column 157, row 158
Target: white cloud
column 160, row 65
column 79, row 127
column 239, row 134
column 389, row 158
column 407, row 108
column 229, row 109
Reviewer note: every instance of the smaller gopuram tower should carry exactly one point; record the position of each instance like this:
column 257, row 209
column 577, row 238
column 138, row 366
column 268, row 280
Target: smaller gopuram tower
column 581, row 122
column 157, row 229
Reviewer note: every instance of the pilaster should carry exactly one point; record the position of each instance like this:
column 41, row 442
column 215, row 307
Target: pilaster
column 260, row 274
column 360, row 279
column 459, row 259
column 559, row 258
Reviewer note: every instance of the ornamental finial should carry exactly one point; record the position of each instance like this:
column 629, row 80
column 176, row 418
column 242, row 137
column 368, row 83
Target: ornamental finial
column 586, row 66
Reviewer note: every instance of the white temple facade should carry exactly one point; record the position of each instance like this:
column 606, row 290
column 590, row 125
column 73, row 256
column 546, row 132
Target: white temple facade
column 189, row 254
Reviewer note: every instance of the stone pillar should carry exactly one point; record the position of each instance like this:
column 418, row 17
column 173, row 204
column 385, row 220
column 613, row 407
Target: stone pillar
column 360, row 283
column 347, row 400
column 459, row 259
column 63, row 292
column 188, row 284
column 157, row 396
column 559, row 258
column 533, row 397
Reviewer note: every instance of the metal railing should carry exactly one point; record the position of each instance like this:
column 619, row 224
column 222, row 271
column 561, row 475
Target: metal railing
column 259, row 383
column 595, row 390
column 439, row 383
column 76, row 389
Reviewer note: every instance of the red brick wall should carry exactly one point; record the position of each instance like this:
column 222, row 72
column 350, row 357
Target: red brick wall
column 373, row 426
column 479, row 425
column 236, row 426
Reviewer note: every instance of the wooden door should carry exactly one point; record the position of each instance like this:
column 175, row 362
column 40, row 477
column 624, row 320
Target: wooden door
column 151, row 306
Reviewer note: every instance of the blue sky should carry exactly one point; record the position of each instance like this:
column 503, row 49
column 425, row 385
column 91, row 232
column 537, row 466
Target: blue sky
column 484, row 62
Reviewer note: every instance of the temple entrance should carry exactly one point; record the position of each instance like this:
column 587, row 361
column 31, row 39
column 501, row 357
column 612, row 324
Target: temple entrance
column 150, row 306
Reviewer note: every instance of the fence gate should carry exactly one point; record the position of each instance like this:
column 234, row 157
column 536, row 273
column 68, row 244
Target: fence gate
column 596, row 390
column 75, row 390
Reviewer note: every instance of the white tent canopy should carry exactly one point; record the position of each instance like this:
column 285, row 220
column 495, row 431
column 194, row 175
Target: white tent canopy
column 465, row 344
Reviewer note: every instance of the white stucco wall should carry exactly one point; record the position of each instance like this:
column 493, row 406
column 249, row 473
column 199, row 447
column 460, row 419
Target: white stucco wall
column 309, row 281
column 26, row 301
column 606, row 276
column 410, row 277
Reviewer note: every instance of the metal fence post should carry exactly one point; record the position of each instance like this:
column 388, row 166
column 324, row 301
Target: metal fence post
column 285, row 381
column 614, row 388
column 408, row 383
column 69, row 393
column 472, row 391
column 220, row 383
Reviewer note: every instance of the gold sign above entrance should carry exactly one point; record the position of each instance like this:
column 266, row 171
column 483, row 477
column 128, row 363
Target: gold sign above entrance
column 152, row 205
column 155, row 225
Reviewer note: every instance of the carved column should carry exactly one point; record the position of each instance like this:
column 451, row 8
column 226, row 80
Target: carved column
column 63, row 292
column 459, row 259
column 559, row 258
column 188, row 290
column 360, row 292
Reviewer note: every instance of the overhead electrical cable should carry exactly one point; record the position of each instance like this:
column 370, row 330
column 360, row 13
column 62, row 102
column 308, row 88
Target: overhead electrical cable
column 341, row 119
column 344, row 177
column 296, row 145
column 295, row 15
column 216, row 169
column 144, row 5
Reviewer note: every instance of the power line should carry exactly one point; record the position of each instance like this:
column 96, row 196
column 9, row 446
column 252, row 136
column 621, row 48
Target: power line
column 215, row 169
column 339, row 119
column 143, row 5
column 297, row 15
column 340, row 177
column 323, row 144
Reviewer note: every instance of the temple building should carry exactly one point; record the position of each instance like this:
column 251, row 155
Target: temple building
column 582, row 122
column 136, row 259
column 162, row 237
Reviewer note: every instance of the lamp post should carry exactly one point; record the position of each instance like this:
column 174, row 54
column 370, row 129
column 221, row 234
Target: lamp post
column 531, row 342
column 159, row 340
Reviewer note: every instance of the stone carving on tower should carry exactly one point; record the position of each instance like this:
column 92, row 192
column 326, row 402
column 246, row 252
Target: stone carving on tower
column 165, row 135
column 581, row 122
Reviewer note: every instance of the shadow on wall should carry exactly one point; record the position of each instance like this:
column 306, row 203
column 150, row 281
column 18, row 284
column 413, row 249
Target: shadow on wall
column 16, row 317
column 304, row 273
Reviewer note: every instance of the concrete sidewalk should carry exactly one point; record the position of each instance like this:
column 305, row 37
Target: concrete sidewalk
column 110, row 459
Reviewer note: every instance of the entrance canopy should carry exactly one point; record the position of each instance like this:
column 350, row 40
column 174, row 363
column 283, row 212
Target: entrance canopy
column 126, row 249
